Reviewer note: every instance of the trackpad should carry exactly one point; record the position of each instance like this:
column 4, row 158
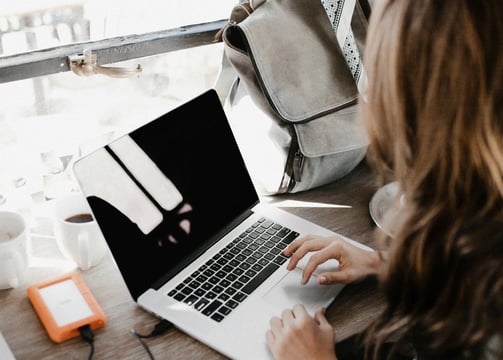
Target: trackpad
column 289, row 291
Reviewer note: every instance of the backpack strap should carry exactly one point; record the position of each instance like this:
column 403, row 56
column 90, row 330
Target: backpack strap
column 340, row 13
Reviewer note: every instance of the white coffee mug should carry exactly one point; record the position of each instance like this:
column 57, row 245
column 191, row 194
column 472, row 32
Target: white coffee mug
column 78, row 236
column 13, row 249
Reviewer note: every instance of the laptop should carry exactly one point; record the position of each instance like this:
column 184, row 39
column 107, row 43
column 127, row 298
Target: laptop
column 181, row 216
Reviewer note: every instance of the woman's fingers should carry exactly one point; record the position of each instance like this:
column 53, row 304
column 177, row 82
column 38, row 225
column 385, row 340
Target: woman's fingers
column 298, row 249
column 298, row 335
column 319, row 316
column 299, row 312
column 336, row 277
column 287, row 317
column 276, row 324
column 354, row 263
column 330, row 252
column 312, row 264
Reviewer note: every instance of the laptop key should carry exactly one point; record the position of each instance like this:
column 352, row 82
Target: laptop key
column 244, row 265
column 247, row 240
column 233, row 263
column 257, row 255
column 227, row 268
column 230, row 291
column 217, row 317
column 269, row 256
column 237, row 271
column 232, row 304
column 250, row 261
column 257, row 267
column 210, row 309
column 232, row 277
column 271, row 231
column 194, row 284
column 276, row 226
column 239, row 297
column 280, row 260
column 283, row 232
column 275, row 239
column 224, row 310
column 199, row 292
column 224, row 283
column 191, row 300
column 201, row 278
column 244, row 278
column 265, row 237
column 210, row 295
column 237, row 284
column 266, row 224
column 186, row 290
column 208, row 272
column 291, row 237
column 281, row 245
column 275, row 251
column 263, row 249
column 179, row 297
column 260, row 278
column 263, row 261
column 207, row 286
column 251, row 273
column 201, row 304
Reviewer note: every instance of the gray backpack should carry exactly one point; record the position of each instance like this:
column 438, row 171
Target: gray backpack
column 294, row 105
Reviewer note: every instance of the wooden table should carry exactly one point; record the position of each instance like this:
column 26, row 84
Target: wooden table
column 350, row 312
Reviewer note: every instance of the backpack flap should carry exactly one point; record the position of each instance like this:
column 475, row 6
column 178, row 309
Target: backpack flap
column 297, row 60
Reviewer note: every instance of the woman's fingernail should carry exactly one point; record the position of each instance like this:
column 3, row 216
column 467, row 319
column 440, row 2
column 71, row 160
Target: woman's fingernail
column 322, row 280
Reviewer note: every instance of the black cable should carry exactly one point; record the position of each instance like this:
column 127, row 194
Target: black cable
column 143, row 343
column 160, row 328
column 87, row 334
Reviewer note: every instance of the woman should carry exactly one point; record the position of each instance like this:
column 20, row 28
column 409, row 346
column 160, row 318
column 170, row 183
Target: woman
column 434, row 118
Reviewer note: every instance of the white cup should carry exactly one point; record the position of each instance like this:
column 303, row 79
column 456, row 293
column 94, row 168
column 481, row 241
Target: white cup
column 78, row 236
column 13, row 249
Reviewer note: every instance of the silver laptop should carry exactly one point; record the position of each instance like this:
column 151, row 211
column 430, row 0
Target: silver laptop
column 185, row 226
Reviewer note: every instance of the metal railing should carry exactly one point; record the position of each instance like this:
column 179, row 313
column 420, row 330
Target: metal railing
column 112, row 50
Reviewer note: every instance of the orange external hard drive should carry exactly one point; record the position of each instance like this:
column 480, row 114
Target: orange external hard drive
column 65, row 304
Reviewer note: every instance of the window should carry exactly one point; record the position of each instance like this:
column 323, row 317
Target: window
column 50, row 116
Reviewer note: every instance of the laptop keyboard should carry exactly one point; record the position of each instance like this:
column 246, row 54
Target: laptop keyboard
column 231, row 275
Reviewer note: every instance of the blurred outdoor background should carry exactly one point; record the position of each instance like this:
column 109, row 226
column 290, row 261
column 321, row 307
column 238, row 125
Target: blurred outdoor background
column 47, row 122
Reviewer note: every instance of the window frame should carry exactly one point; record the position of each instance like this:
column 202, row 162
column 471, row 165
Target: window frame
column 111, row 50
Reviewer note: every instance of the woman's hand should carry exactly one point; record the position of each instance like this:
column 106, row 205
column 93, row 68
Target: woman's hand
column 297, row 335
column 354, row 263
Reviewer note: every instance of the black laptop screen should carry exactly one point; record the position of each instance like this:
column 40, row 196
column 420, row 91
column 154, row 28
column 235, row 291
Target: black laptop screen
column 205, row 186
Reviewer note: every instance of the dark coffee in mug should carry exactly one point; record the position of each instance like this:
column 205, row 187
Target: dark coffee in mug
column 80, row 218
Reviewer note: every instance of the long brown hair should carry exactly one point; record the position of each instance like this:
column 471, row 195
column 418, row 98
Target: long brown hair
column 433, row 112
